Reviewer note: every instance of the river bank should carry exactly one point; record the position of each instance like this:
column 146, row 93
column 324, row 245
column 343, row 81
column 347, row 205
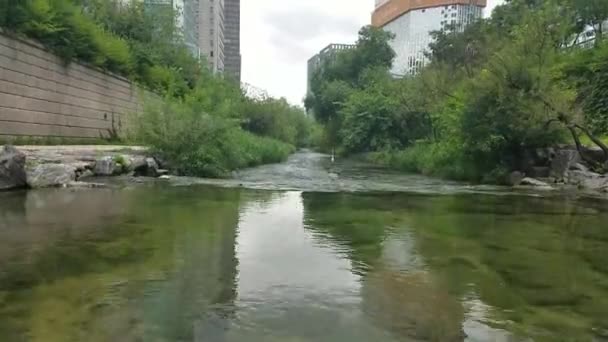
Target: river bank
column 124, row 166
column 72, row 166
column 555, row 168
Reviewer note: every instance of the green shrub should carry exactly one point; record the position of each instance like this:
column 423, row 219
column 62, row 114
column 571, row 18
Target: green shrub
column 198, row 144
column 277, row 119
column 113, row 35
column 442, row 159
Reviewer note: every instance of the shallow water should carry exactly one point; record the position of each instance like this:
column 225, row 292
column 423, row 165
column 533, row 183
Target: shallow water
column 334, row 258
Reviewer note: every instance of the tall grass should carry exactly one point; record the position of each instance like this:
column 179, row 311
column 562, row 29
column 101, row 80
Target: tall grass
column 195, row 143
column 440, row 159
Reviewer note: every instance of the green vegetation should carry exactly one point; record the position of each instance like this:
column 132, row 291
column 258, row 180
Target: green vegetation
column 492, row 91
column 204, row 125
column 123, row 38
column 215, row 129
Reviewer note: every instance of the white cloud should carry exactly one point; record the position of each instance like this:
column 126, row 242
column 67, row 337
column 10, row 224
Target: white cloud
column 279, row 36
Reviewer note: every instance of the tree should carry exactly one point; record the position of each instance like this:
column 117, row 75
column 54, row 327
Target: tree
column 592, row 13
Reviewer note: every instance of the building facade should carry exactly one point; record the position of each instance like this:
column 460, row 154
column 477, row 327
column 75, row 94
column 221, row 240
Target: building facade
column 327, row 54
column 186, row 21
column 232, row 35
column 211, row 33
column 412, row 22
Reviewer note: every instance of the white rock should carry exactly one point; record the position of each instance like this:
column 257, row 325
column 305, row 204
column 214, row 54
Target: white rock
column 534, row 182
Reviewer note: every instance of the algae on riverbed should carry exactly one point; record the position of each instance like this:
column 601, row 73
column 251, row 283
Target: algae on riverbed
column 164, row 263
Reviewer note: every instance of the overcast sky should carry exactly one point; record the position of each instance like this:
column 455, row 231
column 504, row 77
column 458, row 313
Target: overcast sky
column 279, row 36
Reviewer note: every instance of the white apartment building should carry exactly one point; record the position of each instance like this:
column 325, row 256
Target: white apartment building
column 412, row 22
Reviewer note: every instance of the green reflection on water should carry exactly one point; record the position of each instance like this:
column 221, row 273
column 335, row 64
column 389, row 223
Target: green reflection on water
column 140, row 266
column 541, row 264
column 161, row 264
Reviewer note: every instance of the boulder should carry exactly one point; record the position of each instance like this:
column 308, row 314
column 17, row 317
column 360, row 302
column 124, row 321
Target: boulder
column 137, row 163
column 515, row 178
column 539, row 172
column 84, row 174
column 596, row 154
column 149, row 169
column 51, row 175
column 12, row 169
column 579, row 167
column 588, row 180
column 534, row 182
column 562, row 162
column 106, row 166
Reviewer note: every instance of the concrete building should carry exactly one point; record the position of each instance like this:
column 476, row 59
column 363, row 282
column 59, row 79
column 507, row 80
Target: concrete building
column 232, row 35
column 211, row 33
column 412, row 21
column 327, row 54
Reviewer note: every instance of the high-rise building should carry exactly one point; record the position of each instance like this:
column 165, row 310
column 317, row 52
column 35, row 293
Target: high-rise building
column 211, row 33
column 186, row 20
column 412, row 22
column 232, row 35
column 327, row 54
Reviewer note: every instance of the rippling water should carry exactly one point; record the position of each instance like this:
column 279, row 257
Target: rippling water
column 325, row 255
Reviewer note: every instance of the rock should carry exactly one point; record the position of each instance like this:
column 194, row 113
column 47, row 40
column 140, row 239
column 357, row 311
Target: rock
column 539, row 172
column 149, row 169
column 596, row 154
column 12, row 169
column 579, row 167
column 51, row 175
column 588, row 180
column 105, row 166
column 542, row 156
column 562, row 162
column 515, row 178
column 84, row 174
column 137, row 162
column 534, row 182
column 162, row 163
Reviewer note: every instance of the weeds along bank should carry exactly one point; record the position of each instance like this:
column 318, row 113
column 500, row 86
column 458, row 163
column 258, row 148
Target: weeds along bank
column 492, row 92
column 201, row 124
column 202, row 135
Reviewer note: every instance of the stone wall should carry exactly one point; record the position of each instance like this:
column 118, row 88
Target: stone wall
column 42, row 96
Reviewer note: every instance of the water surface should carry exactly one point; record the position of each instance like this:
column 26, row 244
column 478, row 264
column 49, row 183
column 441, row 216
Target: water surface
column 333, row 262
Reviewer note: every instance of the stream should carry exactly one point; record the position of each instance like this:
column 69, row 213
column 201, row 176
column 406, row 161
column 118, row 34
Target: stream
column 306, row 250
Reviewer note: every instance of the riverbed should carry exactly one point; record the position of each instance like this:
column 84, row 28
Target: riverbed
column 307, row 250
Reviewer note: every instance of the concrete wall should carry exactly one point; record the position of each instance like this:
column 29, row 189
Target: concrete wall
column 41, row 96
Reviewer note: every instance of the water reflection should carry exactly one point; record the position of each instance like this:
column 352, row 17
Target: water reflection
column 210, row 264
column 118, row 265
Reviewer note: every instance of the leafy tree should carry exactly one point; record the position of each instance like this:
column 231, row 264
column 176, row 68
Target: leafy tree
column 592, row 13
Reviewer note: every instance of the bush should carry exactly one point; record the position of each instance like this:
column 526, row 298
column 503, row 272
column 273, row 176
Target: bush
column 441, row 159
column 198, row 144
column 113, row 35
column 277, row 119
